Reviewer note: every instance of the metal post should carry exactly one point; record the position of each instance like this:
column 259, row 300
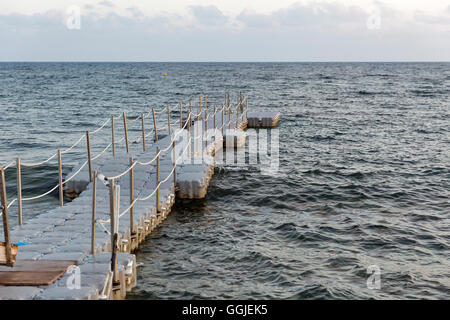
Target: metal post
column 158, row 149
column 124, row 116
column 61, row 190
column 174, row 163
column 131, row 178
column 19, row 190
column 94, row 212
column 154, row 125
column 4, row 202
column 143, row 132
column 88, row 143
column 113, row 141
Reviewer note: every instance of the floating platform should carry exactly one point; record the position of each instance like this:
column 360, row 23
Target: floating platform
column 263, row 119
column 62, row 235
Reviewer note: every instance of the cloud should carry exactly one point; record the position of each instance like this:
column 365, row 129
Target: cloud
column 302, row 32
column 255, row 20
column 209, row 15
column 107, row 3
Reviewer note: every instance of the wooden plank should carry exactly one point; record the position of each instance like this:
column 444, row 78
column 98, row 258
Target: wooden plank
column 3, row 258
column 29, row 278
column 40, row 265
column 34, row 273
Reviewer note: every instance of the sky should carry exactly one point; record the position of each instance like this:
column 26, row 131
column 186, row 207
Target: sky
column 224, row 30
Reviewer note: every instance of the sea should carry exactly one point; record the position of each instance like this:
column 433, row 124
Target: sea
column 358, row 208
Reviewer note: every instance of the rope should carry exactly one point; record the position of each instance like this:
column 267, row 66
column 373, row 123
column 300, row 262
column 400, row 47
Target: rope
column 78, row 171
column 9, row 165
column 37, row 163
column 101, row 153
column 73, row 146
column 11, row 203
column 100, row 128
column 42, row 195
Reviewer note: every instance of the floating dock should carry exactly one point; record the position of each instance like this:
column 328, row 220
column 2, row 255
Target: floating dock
column 83, row 248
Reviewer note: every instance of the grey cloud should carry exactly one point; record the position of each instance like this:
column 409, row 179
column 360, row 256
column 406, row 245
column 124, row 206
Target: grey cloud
column 107, row 4
column 135, row 12
column 255, row 20
column 297, row 33
column 209, row 15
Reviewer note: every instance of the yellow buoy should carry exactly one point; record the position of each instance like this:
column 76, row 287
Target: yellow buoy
column 165, row 74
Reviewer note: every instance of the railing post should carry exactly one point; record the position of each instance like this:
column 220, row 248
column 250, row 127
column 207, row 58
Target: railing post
column 237, row 117
column 88, row 143
column 61, row 190
column 206, row 133
column 113, row 140
column 112, row 208
column 246, row 108
column 174, row 152
column 229, row 117
column 131, row 178
column 94, row 212
column 215, row 127
column 200, row 106
column 181, row 115
column 4, row 202
column 124, row 116
column 168, row 119
column 223, row 119
column 143, row 132
column 154, row 125
column 157, row 178
column 206, row 103
column 19, row 190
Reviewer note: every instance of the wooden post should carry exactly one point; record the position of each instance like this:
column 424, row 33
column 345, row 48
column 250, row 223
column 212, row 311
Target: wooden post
column 168, row 119
column 124, row 116
column 206, row 134
column 223, row 119
column 94, row 212
column 200, row 106
column 157, row 178
column 174, row 152
column 131, row 178
column 229, row 117
column 246, row 108
column 19, row 190
column 112, row 208
column 181, row 115
column 143, row 132
column 215, row 126
column 113, row 141
column 61, row 190
column 206, row 106
column 237, row 117
column 4, row 202
column 154, row 125
column 88, row 143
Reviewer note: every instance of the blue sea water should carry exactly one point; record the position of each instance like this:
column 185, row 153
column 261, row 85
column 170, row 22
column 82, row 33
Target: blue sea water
column 364, row 176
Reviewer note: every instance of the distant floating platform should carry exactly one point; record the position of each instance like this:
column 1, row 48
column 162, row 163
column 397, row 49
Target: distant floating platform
column 263, row 119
